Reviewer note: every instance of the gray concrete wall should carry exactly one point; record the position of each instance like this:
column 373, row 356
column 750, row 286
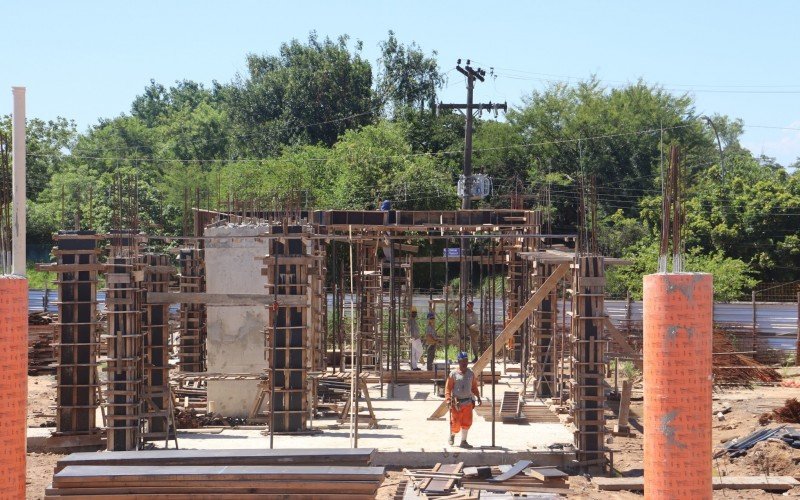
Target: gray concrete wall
column 235, row 333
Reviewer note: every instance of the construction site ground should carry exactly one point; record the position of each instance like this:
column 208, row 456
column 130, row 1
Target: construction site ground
column 404, row 428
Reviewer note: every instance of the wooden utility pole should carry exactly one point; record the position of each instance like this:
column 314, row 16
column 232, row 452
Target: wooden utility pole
column 469, row 110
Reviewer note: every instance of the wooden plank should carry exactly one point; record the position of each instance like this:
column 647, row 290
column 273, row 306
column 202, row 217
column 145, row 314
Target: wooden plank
column 318, row 456
column 624, row 408
column 69, row 268
column 79, row 474
column 218, row 496
column 620, row 339
column 771, row 483
column 510, row 473
column 118, row 278
column 546, row 473
column 225, row 299
column 440, row 485
column 516, row 322
column 466, row 258
column 208, row 487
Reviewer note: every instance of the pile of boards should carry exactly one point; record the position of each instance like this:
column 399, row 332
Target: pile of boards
column 453, row 481
column 307, row 474
column 41, row 334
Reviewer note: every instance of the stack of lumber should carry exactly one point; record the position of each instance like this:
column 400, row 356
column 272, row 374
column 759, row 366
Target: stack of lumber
column 191, row 394
column 217, row 474
column 41, row 335
column 455, row 481
column 438, row 482
column 530, row 412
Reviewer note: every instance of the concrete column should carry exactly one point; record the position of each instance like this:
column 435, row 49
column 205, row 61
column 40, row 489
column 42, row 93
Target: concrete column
column 18, row 182
column 677, row 385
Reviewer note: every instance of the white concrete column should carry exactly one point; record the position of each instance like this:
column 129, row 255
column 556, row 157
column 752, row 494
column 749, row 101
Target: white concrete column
column 18, row 182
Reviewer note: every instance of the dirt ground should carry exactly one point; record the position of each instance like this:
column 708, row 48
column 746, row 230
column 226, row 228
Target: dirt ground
column 40, row 473
column 746, row 404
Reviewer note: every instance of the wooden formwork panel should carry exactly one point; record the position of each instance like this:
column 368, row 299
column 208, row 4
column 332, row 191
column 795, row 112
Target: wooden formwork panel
column 192, row 340
column 155, row 327
column 288, row 338
column 587, row 399
column 124, row 367
column 542, row 347
column 76, row 341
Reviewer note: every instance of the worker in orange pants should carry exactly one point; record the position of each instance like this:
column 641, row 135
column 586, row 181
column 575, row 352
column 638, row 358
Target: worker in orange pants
column 459, row 390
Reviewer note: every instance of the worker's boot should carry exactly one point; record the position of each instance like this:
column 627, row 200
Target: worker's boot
column 464, row 444
column 452, row 439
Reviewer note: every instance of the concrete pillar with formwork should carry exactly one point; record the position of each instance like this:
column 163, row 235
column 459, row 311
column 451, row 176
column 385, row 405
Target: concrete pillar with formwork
column 76, row 342
column 157, row 271
column 289, row 325
column 193, row 318
column 369, row 287
column 235, row 331
column 518, row 288
column 319, row 305
column 542, row 342
column 124, row 368
column 587, row 397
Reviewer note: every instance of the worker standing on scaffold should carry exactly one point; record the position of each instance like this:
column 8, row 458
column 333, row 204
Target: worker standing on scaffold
column 461, row 394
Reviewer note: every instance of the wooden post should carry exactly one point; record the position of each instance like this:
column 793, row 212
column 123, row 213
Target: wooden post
column 622, row 428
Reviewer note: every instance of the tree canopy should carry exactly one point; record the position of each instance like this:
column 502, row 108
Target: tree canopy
column 318, row 124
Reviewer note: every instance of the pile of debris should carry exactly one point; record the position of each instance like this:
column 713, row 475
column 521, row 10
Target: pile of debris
column 739, row 447
column 731, row 368
column 773, row 457
column 41, row 337
column 789, row 413
column 457, row 481
column 191, row 419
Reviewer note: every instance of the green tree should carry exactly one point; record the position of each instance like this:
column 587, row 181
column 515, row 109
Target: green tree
column 309, row 93
column 48, row 146
column 407, row 78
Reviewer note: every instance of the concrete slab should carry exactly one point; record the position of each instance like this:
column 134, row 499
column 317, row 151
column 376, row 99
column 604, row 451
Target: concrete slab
column 406, row 437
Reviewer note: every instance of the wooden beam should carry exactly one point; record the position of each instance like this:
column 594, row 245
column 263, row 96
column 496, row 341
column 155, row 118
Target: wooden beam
column 620, row 339
column 487, row 259
column 516, row 322
column 225, row 299
column 773, row 483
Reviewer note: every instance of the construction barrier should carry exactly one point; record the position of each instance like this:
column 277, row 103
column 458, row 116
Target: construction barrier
column 13, row 385
column 678, row 311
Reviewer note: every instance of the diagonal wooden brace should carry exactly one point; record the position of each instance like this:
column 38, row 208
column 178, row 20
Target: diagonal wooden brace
column 516, row 322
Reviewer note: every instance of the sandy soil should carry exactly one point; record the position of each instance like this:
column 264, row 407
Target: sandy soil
column 40, row 473
column 747, row 404
column 41, row 400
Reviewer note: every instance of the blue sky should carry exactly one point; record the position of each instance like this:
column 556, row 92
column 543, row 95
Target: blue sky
column 88, row 60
